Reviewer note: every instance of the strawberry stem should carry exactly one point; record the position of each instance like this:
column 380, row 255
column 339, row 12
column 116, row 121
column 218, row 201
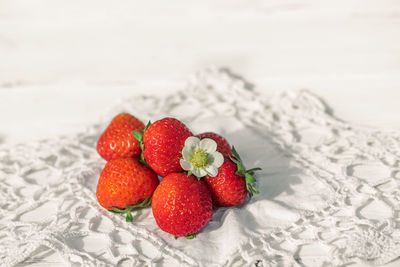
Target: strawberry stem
column 247, row 174
column 129, row 208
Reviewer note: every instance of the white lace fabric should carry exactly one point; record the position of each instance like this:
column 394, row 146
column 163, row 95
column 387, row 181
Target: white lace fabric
column 326, row 187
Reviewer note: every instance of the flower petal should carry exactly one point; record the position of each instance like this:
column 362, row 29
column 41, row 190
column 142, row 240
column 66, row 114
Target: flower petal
column 185, row 165
column 191, row 141
column 208, row 145
column 218, row 159
column 199, row 172
column 212, row 170
column 187, row 152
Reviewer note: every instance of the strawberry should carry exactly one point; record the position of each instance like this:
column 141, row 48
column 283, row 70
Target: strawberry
column 117, row 140
column 125, row 184
column 182, row 205
column 222, row 144
column 162, row 144
column 232, row 183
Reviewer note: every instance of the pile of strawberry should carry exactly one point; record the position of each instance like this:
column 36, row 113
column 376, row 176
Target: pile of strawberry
column 197, row 172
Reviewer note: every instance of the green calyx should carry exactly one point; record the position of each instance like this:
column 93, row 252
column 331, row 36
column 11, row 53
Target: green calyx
column 191, row 236
column 139, row 136
column 187, row 237
column 129, row 208
column 247, row 174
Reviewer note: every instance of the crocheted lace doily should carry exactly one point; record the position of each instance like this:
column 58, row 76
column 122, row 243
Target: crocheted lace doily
column 329, row 190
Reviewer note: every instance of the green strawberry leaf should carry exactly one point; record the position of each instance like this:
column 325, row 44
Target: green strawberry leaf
column 176, row 237
column 129, row 217
column 236, row 154
column 251, row 171
column 145, row 203
column 255, row 190
column 240, row 169
column 234, row 159
column 147, row 126
column 247, row 174
column 249, row 190
column 239, row 166
column 190, row 236
column 249, row 178
column 138, row 135
column 129, row 208
column 117, row 210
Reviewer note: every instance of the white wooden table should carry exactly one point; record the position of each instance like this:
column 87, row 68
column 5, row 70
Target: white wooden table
column 62, row 63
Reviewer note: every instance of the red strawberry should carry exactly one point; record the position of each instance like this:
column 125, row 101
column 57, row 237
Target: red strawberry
column 125, row 184
column 222, row 144
column 232, row 183
column 117, row 140
column 163, row 142
column 182, row 205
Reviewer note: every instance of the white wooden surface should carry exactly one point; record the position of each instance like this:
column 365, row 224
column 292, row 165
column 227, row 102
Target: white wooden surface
column 346, row 51
column 63, row 62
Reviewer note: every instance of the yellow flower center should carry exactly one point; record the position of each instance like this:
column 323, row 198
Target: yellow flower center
column 199, row 159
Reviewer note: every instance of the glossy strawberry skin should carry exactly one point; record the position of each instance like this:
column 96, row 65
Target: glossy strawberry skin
column 222, row 144
column 163, row 143
column 125, row 181
column 182, row 204
column 117, row 140
column 227, row 188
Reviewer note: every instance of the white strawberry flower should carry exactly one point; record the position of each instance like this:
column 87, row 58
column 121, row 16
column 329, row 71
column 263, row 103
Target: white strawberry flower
column 200, row 157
